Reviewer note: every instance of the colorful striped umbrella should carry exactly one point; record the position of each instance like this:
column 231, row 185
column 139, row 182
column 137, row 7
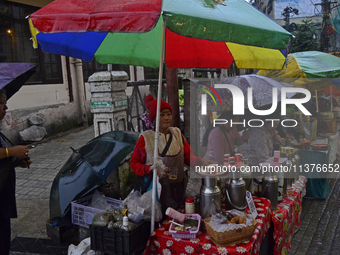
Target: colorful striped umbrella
column 198, row 34
column 192, row 33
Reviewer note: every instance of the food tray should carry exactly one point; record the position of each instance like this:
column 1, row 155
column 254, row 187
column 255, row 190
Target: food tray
column 232, row 236
column 185, row 234
column 82, row 214
column 319, row 147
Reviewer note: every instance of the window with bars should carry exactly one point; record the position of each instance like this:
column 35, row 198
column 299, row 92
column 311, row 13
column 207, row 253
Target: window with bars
column 16, row 46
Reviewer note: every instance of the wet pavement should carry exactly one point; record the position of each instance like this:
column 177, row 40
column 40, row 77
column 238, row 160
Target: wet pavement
column 319, row 233
column 29, row 233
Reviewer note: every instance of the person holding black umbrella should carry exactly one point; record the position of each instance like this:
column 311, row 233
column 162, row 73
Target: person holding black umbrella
column 10, row 157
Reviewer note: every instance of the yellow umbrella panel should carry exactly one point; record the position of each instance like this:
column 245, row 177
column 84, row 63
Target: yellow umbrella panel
column 310, row 69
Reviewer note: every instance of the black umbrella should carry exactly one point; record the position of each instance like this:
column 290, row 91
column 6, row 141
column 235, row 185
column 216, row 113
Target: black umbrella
column 14, row 75
column 88, row 168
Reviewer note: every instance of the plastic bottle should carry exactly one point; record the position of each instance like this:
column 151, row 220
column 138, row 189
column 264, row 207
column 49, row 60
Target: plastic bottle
column 125, row 223
column 189, row 205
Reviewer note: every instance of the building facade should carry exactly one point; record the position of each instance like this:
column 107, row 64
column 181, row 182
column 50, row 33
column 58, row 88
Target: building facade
column 58, row 91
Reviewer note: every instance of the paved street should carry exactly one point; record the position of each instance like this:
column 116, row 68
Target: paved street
column 319, row 233
column 34, row 184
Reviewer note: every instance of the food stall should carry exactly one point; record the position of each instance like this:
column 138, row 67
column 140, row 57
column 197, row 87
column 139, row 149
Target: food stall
column 123, row 236
column 286, row 220
column 319, row 72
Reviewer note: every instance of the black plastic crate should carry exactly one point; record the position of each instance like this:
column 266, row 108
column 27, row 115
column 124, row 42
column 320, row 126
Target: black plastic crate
column 119, row 242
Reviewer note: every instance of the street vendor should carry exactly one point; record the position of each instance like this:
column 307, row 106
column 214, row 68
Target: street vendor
column 10, row 157
column 260, row 146
column 223, row 138
column 175, row 149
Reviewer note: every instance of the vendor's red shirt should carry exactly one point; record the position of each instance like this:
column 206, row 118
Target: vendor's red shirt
column 138, row 157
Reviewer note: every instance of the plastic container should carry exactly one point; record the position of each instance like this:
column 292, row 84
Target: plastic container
column 82, row 214
column 186, row 234
column 189, row 205
column 120, row 242
column 172, row 213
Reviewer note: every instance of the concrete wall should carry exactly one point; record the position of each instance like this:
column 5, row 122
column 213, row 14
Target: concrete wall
column 51, row 101
column 58, row 118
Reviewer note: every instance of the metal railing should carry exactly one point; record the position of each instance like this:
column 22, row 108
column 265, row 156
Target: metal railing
column 136, row 105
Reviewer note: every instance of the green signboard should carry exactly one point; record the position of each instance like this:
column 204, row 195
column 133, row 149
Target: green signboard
column 121, row 103
column 101, row 104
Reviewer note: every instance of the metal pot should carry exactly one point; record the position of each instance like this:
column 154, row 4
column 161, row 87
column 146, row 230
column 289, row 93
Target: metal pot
column 209, row 192
column 270, row 190
column 235, row 189
column 298, row 161
column 290, row 174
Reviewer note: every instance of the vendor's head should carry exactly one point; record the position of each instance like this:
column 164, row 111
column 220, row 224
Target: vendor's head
column 228, row 115
column 3, row 103
column 165, row 112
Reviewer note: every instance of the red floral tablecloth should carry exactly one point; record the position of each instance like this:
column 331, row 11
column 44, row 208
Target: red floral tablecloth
column 162, row 242
column 287, row 218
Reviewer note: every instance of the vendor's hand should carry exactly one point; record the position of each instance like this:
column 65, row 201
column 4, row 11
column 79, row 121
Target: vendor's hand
column 277, row 138
column 245, row 135
column 160, row 169
column 18, row 151
column 207, row 162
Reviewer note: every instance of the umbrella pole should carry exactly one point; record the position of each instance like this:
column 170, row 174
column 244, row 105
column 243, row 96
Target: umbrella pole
column 155, row 154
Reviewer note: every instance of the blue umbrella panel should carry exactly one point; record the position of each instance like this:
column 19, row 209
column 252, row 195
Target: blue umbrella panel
column 88, row 168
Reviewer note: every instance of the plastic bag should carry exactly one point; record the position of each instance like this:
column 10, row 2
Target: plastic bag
column 141, row 205
column 102, row 219
column 99, row 201
column 84, row 248
column 119, row 225
column 116, row 214
column 135, row 217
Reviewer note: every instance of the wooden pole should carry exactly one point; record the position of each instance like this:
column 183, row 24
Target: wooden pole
column 172, row 91
column 186, row 88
